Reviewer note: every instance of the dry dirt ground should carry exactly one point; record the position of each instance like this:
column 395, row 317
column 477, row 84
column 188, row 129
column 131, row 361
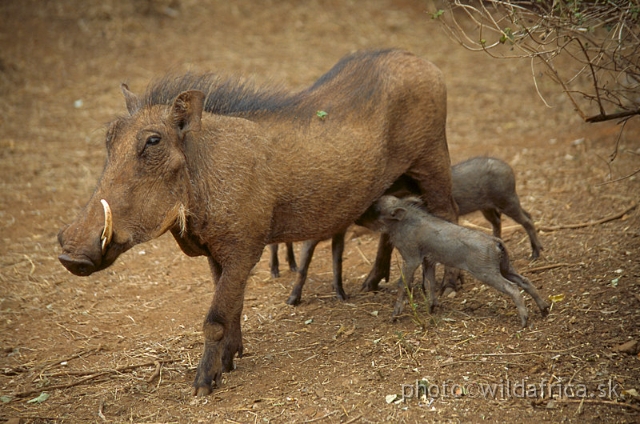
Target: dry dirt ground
column 122, row 344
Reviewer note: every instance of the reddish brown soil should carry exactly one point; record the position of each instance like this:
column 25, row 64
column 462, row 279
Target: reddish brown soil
column 93, row 344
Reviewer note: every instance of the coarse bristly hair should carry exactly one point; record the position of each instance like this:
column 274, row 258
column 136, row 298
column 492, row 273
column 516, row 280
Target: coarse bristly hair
column 357, row 74
column 412, row 201
column 181, row 219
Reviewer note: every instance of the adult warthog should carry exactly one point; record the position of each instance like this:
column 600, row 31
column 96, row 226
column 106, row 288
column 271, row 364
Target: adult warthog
column 228, row 168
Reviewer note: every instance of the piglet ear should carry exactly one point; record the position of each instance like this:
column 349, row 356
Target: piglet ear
column 187, row 111
column 398, row 214
column 413, row 201
column 132, row 101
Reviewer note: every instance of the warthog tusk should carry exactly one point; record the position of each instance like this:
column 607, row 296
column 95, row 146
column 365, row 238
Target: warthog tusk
column 107, row 232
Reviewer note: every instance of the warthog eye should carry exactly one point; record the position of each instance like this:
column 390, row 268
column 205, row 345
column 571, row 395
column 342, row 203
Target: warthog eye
column 153, row 140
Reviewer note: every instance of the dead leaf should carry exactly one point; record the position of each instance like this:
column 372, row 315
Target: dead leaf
column 630, row 347
column 556, row 298
column 350, row 331
column 342, row 330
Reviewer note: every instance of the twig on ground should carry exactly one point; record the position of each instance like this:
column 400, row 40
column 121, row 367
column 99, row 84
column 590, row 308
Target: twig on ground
column 322, row 417
column 94, row 374
column 71, row 331
column 506, row 231
column 59, row 386
column 589, row 223
column 73, row 356
column 118, row 369
column 51, row 362
column 539, row 352
column 446, row 364
column 156, row 373
column 33, row 266
column 353, row 420
column 574, row 374
column 309, row 358
column 621, row 178
column 550, row 266
column 100, row 414
column 605, row 402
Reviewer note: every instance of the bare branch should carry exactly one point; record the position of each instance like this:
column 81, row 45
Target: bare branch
column 601, row 38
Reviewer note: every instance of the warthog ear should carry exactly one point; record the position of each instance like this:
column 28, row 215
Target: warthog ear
column 398, row 213
column 187, row 111
column 132, row 101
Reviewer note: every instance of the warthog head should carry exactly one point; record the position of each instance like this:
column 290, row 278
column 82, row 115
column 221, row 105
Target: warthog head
column 389, row 209
column 144, row 188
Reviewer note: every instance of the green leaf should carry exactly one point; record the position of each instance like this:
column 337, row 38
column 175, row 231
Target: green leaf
column 437, row 14
column 43, row 396
column 321, row 114
column 5, row 399
column 507, row 34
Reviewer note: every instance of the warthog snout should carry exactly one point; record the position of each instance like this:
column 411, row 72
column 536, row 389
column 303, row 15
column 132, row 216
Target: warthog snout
column 78, row 266
column 78, row 263
column 87, row 245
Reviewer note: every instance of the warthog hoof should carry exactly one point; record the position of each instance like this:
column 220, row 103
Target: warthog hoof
column 217, row 358
column 397, row 310
column 340, row 294
column 203, row 385
column 202, row 391
column 293, row 300
column 545, row 311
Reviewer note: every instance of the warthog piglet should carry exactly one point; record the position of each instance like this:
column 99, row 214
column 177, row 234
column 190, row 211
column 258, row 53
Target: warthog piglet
column 489, row 185
column 420, row 236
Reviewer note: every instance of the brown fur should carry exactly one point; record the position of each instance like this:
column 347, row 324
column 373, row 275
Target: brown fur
column 254, row 167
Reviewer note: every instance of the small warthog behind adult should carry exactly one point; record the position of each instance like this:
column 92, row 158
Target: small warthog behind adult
column 489, row 185
column 229, row 168
column 274, row 263
column 421, row 237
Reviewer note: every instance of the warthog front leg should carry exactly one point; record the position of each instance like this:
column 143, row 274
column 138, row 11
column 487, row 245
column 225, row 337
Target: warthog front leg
column 429, row 281
column 222, row 333
column 405, row 283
